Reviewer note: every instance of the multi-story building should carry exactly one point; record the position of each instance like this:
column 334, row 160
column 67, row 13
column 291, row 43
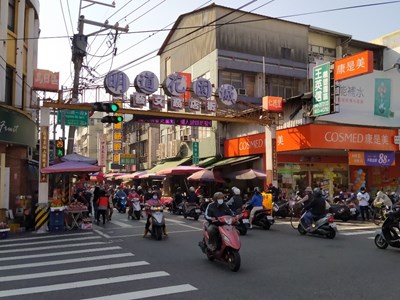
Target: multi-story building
column 273, row 57
column 19, row 32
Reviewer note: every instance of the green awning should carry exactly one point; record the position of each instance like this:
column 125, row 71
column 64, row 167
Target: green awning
column 207, row 161
column 233, row 161
column 168, row 164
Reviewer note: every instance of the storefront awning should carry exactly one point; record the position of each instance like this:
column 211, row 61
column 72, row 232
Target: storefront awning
column 233, row 161
column 168, row 164
column 207, row 161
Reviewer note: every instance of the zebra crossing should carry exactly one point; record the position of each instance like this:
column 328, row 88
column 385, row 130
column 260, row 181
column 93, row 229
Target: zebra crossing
column 79, row 265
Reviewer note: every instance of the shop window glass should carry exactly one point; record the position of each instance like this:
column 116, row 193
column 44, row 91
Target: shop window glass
column 232, row 78
column 11, row 15
column 9, row 86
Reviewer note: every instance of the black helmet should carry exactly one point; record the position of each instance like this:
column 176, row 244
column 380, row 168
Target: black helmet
column 317, row 192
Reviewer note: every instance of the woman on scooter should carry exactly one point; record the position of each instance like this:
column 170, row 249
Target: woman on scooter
column 256, row 202
column 215, row 209
column 154, row 201
column 315, row 209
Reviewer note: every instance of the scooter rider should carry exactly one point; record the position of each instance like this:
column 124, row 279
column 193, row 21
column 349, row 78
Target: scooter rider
column 381, row 197
column 154, row 201
column 215, row 209
column 256, row 202
column 315, row 209
column 236, row 201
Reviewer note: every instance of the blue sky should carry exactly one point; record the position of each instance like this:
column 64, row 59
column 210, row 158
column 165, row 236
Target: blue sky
column 363, row 23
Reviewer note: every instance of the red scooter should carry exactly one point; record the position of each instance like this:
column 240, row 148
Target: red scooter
column 228, row 244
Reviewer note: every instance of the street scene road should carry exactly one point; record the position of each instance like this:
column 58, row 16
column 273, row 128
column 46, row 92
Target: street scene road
column 113, row 261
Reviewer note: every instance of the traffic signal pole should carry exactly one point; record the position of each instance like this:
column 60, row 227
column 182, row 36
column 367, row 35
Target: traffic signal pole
column 80, row 41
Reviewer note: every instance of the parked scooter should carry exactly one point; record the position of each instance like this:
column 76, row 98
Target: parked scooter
column 340, row 210
column 228, row 244
column 191, row 210
column 121, row 204
column 352, row 207
column 325, row 226
column 135, row 210
column 262, row 218
column 280, row 208
column 157, row 222
column 389, row 234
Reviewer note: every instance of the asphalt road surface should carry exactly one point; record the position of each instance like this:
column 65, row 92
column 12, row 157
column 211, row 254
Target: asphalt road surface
column 113, row 261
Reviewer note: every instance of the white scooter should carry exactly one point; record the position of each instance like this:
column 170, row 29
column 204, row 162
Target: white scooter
column 324, row 226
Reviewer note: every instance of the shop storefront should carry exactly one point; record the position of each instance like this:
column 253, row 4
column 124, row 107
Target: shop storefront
column 337, row 157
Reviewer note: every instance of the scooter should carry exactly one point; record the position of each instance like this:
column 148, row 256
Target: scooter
column 135, row 210
column 228, row 244
column 191, row 210
column 204, row 203
column 325, row 226
column 340, row 211
column 280, row 208
column 262, row 218
column 121, row 204
column 389, row 234
column 176, row 209
column 157, row 222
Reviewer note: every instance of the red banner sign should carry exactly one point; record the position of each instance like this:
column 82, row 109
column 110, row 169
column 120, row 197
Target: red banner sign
column 45, row 80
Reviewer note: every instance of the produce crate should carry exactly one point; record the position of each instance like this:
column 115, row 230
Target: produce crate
column 54, row 228
column 56, row 218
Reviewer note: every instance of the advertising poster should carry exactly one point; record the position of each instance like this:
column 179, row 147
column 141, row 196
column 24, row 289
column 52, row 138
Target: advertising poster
column 382, row 98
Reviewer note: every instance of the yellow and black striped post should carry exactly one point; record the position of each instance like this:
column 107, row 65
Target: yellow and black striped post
column 41, row 216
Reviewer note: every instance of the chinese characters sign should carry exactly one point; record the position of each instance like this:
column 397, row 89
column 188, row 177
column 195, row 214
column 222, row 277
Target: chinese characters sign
column 116, row 83
column 355, row 65
column 272, row 103
column 321, row 90
column 371, row 158
column 45, row 80
column 44, row 151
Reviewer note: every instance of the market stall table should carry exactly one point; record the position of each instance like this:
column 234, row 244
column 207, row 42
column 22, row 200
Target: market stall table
column 75, row 217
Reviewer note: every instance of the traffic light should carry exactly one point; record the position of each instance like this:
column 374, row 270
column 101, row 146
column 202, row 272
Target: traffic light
column 112, row 119
column 105, row 106
column 60, row 148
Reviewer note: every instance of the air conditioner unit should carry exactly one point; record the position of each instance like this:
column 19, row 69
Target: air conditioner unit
column 242, row 92
column 185, row 138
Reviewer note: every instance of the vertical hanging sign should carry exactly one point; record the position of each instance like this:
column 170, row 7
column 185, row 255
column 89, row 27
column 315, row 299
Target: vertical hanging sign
column 321, row 89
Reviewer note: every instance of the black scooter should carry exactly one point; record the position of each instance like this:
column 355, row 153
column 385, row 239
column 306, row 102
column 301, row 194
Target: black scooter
column 389, row 234
column 262, row 217
column 340, row 211
column 191, row 210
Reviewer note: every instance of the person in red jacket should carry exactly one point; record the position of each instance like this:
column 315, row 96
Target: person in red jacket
column 102, row 203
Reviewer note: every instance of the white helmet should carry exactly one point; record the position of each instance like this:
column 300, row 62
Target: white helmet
column 236, row 191
column 191, row 189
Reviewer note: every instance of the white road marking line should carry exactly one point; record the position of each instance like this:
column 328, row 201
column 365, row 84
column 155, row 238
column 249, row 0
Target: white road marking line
column 141, row 234
column 359, row 232
column 19, row 257
column 174, row 221
column 50, row 247
column 149, row 293
column 46, row 236
column 52, row 241
column 73, row 271
column 65, row 261
column 102, row 233
column 120, row 224
column 80, row 284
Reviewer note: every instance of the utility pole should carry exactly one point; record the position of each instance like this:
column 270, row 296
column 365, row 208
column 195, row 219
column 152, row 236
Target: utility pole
column 79, row 44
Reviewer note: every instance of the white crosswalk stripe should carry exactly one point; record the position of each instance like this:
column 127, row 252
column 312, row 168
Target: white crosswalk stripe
column 46, row 270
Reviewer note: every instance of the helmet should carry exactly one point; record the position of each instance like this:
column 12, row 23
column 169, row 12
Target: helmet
column 317, row 192
column 362, row 189
column 236, row 191
column 308, row 189
column 139, row 187
column 218, row 195
column 256, row 189
column 191, row 189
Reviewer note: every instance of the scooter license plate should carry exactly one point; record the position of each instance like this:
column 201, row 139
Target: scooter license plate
column 245, row 221
column 353, row 209
column 197, row 211
column 270, row 218
column 333, row 225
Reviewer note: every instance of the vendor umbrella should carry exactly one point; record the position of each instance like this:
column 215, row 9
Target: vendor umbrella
column 205, row 175
column 180, row 170
column 248, row 174
column 70, row 167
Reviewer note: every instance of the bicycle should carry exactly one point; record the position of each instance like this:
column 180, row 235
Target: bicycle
column 295, row 214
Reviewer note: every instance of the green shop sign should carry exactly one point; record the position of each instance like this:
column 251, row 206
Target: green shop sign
column 16, row 128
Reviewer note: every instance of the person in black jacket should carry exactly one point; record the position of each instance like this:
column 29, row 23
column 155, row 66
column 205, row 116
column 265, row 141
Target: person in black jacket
column 215, row 209
column 315, row 209
column 236, row 201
